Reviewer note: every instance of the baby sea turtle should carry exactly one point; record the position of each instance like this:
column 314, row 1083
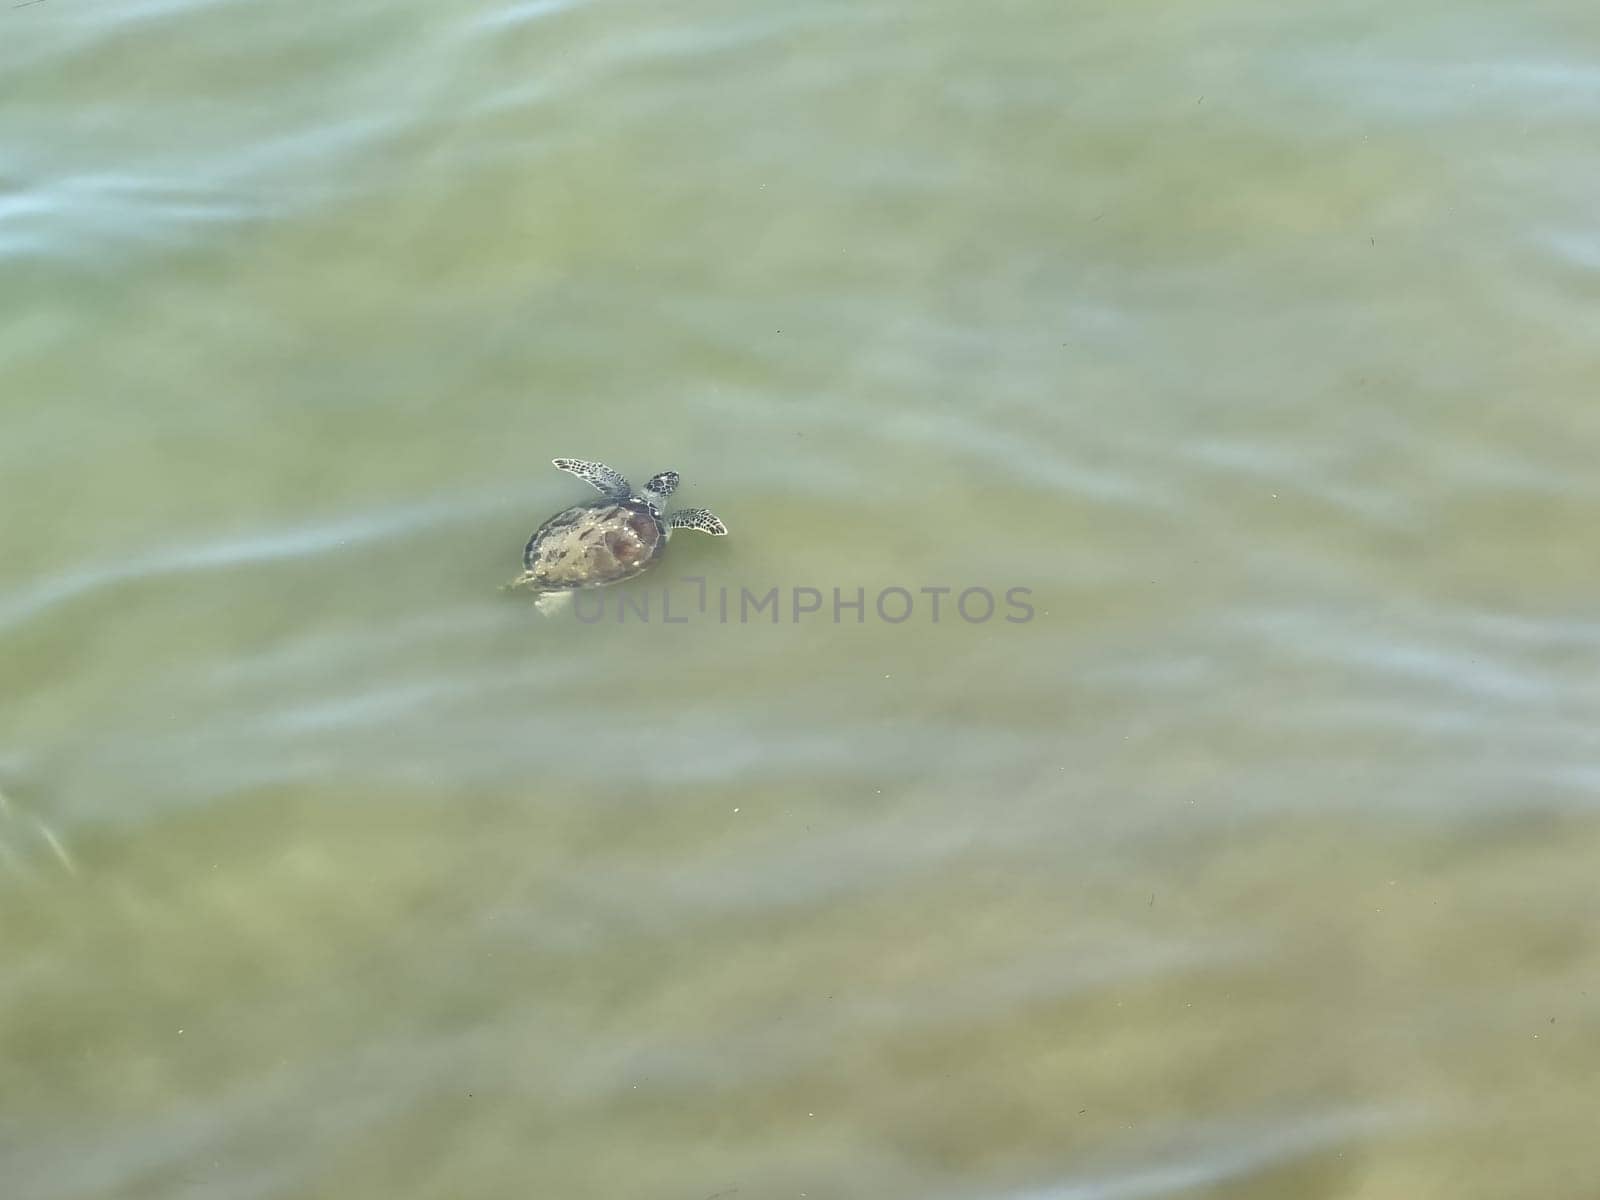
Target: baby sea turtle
column 607, row 540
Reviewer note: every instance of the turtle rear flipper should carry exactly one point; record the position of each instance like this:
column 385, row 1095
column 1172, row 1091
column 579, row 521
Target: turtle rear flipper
column 551, row 603
column 702, row 519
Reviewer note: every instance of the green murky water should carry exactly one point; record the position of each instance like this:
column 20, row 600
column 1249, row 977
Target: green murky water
column 1255, row 342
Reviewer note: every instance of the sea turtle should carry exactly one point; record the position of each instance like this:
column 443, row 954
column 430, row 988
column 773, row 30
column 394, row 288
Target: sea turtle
column 607, row 540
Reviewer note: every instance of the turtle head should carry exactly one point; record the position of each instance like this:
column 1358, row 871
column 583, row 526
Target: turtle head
column 659, row 488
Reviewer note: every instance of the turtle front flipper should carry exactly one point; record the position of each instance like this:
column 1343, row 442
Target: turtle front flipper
column 598, row 476
column 702, row 519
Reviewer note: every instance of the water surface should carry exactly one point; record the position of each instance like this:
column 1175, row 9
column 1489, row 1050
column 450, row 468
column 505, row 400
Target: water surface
column 1254, row 341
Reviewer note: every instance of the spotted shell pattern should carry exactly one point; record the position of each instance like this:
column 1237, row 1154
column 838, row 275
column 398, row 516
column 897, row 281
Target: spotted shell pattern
column 593, row 544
